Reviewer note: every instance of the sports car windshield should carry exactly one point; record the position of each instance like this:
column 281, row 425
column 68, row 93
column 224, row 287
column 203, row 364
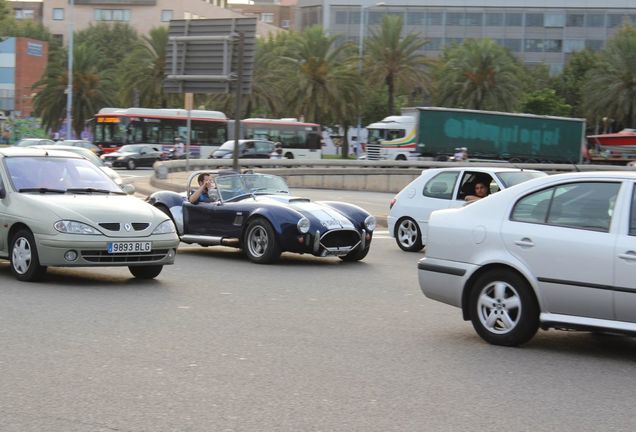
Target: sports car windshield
column 233, row 186
column 58, row 175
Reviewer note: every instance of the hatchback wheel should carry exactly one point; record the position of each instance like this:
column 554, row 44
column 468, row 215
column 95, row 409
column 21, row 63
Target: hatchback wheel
column 407, row 235
column 131, row 165
column 503, row 308
column 260, row 243
column 25, row 261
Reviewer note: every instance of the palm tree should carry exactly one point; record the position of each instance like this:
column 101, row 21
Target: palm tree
column 395, row 60
column 610, row 90
column 142, row 72
column 268, row 82
column 92, row 89
column 322, row 76
column 479, row 74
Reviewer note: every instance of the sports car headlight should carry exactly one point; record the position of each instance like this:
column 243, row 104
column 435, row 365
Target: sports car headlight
column 369, row 223
column 74, row 227
column 164, row 227
column 303, row 225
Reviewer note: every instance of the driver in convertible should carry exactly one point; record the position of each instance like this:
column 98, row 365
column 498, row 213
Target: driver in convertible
column 206, row 191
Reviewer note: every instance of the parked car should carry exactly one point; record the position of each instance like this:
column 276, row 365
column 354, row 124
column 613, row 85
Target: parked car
column 83, row 144
column 92, row 157
column 58, row 209
column 28, row 142
column 557, row 251
column 248, row 149
column 441, row 188
column 132, row 156
column 256, row 213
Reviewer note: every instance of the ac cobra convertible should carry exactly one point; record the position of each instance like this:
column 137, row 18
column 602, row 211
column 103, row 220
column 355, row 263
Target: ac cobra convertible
column 256, row 213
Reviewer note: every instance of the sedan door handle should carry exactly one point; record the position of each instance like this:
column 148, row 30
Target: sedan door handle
column 524, row 242
column 629, row 256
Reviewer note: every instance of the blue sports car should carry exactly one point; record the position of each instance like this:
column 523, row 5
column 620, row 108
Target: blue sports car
column 256, row 213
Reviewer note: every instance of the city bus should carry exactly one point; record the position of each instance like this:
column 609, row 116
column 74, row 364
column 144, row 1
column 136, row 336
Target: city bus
column 299, row 140
column 114, row 127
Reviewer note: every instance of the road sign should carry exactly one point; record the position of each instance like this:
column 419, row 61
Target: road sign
column 202, row 55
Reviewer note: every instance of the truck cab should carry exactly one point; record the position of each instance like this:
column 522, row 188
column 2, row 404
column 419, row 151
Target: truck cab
column 391, row 138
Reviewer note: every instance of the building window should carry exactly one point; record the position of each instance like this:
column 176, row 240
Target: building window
column 554, row 20
column 474, row 19
column 534, row 20
column 342, row 17
column 267, row 17
column 614, row 20
column 573, row 45
column 285, row 24
column 415, row 18
column 166, row 15
column 494, row 19
column 112, row 15
column 513, row 19
column 58, row 14
column 454, row 19
column 594, row 20
column 594, row 44
column 575, row 20
column 514, row 45
column 434, row 18
column 22, row 14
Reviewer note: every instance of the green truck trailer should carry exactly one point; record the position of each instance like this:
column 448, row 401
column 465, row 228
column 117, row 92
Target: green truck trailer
column 437, row 133
column 497, row 135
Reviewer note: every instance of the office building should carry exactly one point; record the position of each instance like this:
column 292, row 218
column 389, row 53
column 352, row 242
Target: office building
column 536, row 31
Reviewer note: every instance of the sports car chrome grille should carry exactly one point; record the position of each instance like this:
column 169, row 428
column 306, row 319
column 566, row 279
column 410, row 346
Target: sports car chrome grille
column 340, row 238
column 102, row 256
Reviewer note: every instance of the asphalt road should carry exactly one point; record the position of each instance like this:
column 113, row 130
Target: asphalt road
column 219, row 344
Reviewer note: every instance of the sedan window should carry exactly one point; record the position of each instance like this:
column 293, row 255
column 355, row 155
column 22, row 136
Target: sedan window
column 442, row 185
column 574, row 205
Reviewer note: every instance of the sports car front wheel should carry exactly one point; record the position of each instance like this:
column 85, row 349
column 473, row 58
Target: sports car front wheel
column 145, row 272
column 260, row 243
column 25, row 261
column 356, row 254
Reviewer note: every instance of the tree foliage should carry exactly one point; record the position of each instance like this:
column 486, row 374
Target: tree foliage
column 569, row 84
column 479, row 74
column 610, row 88
column 396, row 61
column 545, row 102
column 92, row 89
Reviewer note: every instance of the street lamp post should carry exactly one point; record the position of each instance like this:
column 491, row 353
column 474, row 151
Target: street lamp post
column 69, row 88
column 363, row 7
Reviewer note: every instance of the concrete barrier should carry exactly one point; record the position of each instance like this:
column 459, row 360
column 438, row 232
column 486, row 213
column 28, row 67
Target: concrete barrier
column 372, row 176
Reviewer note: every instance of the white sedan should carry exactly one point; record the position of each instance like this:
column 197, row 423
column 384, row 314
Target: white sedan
column 558, row 251
column 439, row 189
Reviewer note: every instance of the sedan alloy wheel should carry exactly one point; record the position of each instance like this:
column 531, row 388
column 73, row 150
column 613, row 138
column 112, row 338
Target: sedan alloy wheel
column 503, row 308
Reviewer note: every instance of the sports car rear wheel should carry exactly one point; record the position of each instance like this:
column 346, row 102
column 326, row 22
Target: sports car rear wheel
column 407, row 235
column 145, row 272
column 260, row 243
column 25, row 261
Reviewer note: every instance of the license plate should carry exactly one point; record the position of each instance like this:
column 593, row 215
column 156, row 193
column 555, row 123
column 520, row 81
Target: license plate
column 129, row 247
